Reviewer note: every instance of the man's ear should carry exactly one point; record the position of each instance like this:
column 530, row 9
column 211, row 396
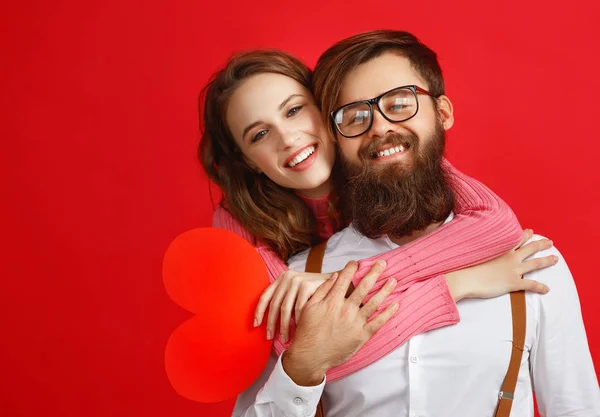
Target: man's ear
column 445, row 111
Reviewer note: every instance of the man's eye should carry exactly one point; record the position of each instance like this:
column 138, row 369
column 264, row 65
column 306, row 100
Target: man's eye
column 359, row 117
column 258, row 135
column 400, row 104
column 294, row 110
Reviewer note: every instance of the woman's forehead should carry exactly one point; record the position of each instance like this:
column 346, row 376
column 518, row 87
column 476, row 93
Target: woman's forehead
column 259, row 98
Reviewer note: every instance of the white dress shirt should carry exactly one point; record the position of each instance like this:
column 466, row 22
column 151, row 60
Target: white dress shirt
column 455, row 371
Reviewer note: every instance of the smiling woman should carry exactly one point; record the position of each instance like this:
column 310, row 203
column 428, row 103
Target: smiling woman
column 259, row 119
column 277, row 126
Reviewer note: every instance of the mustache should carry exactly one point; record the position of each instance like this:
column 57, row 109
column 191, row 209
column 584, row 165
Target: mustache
column 408, row 140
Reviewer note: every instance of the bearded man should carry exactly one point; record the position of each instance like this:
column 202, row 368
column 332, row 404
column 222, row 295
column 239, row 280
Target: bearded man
column 383, row 92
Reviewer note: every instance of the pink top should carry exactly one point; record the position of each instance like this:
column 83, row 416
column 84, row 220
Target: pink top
column 484, row 227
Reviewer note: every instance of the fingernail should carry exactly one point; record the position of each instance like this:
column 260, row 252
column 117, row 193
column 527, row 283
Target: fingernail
column 382, row 263
column 283, row 339
column 269, row 335
column 551, row 242
column 546, row 290
column 395, row 307
column 255, row 322
column 555, row 258
column 392, row 282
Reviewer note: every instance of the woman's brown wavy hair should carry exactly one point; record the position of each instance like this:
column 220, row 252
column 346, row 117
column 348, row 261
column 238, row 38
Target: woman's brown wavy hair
column 274, row 215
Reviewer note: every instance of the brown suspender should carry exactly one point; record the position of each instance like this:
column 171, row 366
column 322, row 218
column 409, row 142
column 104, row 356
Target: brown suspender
column 314, row 262
column 519, row 325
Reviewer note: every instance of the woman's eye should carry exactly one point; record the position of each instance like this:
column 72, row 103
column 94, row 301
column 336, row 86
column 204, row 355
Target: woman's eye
column 258, row 135
column 293, row 111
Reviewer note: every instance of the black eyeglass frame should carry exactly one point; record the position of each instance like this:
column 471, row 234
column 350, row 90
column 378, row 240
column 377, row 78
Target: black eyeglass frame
column 414, row 88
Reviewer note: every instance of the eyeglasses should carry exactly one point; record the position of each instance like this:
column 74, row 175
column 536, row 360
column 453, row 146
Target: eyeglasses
column 396, row 105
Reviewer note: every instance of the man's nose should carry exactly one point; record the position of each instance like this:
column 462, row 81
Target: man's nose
column 381, row 127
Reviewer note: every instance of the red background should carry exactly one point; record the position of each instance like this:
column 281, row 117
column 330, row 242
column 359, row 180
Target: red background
column 99, row 131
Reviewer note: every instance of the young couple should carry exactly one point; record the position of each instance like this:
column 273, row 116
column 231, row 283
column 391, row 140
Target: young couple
column 352, row 153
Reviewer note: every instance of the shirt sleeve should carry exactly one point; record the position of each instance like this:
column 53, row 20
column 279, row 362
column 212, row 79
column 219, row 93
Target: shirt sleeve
column 484, row 227
column 274, row 394
column 564, row 379
column 224, row 220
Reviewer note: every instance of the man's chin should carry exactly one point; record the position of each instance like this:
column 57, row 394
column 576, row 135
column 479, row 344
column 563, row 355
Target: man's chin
column 400, row 167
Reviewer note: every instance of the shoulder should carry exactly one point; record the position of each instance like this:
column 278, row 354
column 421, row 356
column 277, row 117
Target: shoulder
column 344, row 240
column 221, row 216
column 222, row 219
column 552, row 273
column 557, row 277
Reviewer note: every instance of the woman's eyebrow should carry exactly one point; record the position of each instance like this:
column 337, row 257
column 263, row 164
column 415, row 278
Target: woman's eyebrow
column 284, row 102
column 250, row 127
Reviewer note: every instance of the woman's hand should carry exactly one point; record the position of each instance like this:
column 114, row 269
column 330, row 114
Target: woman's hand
column 286, row 295
column 503, row 274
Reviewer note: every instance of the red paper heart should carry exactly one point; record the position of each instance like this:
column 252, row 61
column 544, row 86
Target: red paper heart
column 219, row 277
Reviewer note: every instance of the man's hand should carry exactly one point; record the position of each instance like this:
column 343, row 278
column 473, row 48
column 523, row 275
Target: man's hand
column 332, row 328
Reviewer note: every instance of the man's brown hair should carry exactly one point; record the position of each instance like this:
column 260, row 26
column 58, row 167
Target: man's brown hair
column 337, row 61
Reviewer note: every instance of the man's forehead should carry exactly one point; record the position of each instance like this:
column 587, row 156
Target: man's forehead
column 377, row 76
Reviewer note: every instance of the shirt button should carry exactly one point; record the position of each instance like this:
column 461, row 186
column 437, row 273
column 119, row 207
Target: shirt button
column 414, row 359
column 298, row 401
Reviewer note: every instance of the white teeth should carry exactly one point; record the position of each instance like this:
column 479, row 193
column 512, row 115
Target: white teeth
column 392, row 151
column 302, row 156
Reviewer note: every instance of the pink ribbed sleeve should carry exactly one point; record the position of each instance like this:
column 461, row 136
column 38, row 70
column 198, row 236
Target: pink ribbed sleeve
column 224, row 220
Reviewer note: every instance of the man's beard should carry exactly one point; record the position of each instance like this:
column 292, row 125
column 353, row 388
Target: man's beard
column 400, row 197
